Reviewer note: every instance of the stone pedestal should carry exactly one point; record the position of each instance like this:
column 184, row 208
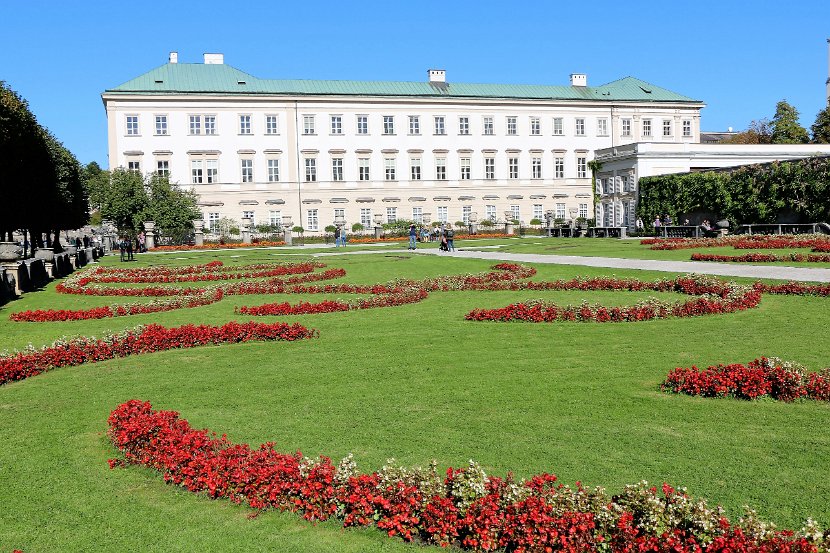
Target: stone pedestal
column 508, row 228
column 7, row 287
column 48, row 258
column 38, row 277
column 199, row 238
column 149, row 239
column 287, row 238
column 17, row 276
column 378, row 233
column 473, row 228
column 246, row 236
column 63, row 264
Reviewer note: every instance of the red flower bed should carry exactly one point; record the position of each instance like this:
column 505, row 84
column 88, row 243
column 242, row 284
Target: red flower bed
column 758, row 378
column 762, row 257
column 142, row 339
column 819, row 242
column 716, row 296
column 466, row 508
column 793, row 288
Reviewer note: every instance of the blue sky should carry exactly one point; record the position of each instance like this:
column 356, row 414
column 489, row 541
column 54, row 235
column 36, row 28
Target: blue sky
column 740, row 57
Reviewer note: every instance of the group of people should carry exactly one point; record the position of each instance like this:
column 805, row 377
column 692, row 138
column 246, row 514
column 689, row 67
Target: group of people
column 442, row 234
column 664, row 220
column 128, row 246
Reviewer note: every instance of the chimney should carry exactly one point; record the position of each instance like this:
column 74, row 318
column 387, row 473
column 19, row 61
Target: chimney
column 437, row 75
column 174, row 57
column 579, row 79
column 214, row 59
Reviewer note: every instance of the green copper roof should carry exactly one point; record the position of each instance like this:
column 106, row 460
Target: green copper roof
column 191, row 78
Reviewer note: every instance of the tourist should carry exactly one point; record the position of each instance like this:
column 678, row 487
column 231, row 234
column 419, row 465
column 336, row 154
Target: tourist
column 336, row 237
column 639, row 225
column 343, row 237
column 86, row 241
column 141, row 243
column 656, row 225
column 129, row 242
column 122, row 246
column 450, row 234
column 413, row 237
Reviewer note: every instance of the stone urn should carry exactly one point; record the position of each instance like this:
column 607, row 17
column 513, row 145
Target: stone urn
column 9, row 251
column 46, row 254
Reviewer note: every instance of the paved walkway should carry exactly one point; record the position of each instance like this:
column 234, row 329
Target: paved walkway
column 805, row 274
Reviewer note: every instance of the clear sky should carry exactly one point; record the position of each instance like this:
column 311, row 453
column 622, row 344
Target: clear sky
column 738, row 56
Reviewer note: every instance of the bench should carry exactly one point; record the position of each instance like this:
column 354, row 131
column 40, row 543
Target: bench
column 782, row 228
column 564, row 232
column 681, row 231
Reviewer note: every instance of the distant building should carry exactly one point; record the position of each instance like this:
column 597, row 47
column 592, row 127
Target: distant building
column 709, row 137
column 623, row 166
column 316, row 150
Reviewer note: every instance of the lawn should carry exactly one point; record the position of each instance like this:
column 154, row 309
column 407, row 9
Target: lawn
column 415, row 382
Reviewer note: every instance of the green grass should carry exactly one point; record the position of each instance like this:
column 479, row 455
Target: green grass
column 415, row 382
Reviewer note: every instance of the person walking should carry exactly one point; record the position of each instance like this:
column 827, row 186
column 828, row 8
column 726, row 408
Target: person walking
column 413, row 237
column 450, row 234
column 336, row 237
column 656, row 225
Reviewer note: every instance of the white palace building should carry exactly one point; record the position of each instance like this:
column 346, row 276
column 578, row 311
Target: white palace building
column 316, row 150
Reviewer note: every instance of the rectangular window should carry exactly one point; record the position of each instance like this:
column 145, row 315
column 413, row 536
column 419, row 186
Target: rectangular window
column 336, row 124
column 366, row 217
column 311, row 169
column 536, row 167
column 195, row 124
column 646, row 127
column 512, row 126
column 490, row 212
column 465, row 168
column 308, row 124
column 513, row 167
column 249, row 215
column 441, row 212
column 337, row 168
column 418, row 214
column 132, row 125
column 391, row 214
column 535, row 126
column 196, row 171
column 464, row 125
column 579, row 126
column 667, row 127
column 389, row 166
column 559, row 167
column 211, row 171
column 134, row 166
column 363, row 168
column 626, row 127
column 439, row 125
column 272, row 124
column 244, row 124
column 583, row 211
column 339, row 213
column 213, row 222
column 440, row 168
column 210, row 124
column 414, row 124
column 415, row 168
column 538, row 212
column 161, row 125
column 163, row 167
column 516, row 213
column 466, row 210
column 687, row 127
column 388, row 124
column 313, row 220
column 582, row 167
column 362, row 124
column 273, row 170
column 560, row 211
column 558, row 126
column 602, row 127
column 489, row 168
column 488, row 125
column 247, row 170
column 275, row 218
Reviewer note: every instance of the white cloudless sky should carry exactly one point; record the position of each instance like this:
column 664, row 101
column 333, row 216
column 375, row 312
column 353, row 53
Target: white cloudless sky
column 738, row 56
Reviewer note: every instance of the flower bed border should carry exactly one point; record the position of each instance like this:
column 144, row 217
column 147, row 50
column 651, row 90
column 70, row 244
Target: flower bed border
column 139, row 340
column 467, row 508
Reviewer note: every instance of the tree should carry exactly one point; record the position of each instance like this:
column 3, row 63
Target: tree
column 758, row 132
column 821, row 128
column 785, row 126
column 123, row 199
column 171, row 208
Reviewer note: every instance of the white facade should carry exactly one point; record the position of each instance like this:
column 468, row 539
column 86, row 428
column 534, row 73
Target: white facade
column 311, row 155
column 623, row 166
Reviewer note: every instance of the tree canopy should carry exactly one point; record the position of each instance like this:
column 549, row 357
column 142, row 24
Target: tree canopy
column 785, row 126
column 821, row 128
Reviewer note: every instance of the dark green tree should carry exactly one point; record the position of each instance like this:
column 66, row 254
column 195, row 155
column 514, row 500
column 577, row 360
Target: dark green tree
column 171, row 208
column 821, row 128
column 785, row 126
column 122, row 199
